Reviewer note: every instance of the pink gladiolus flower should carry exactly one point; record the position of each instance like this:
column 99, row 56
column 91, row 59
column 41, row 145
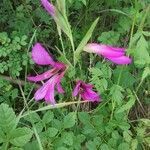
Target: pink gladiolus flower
column 41, row 57
column 48, row 7
column 114, row 54
column 86, row 92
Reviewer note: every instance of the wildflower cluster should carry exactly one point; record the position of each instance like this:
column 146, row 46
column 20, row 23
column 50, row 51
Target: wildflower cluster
column 54, row 76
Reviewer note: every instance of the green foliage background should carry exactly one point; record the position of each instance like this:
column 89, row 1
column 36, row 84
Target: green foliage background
column 120, row 121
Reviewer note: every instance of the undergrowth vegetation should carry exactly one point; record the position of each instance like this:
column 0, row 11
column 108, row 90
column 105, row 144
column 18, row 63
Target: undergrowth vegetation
column 119, row 120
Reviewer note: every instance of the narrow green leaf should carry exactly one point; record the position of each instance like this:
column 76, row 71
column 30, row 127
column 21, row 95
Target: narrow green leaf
column 85, row 39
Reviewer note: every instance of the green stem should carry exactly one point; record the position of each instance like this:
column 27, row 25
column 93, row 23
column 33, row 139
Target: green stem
column 34, row 128
column 61, row 41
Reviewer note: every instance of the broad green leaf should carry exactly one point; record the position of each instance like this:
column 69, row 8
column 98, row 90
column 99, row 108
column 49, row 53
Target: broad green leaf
column 123, row 146
column 141, row 54
column 84, row 117
column 85, row 39
column 48, row 117
column 104, row 147
column 33, row 118
column 7, row 118
column 69, row 120
column 127, row 136
column 20, row 136
column 39, row 126
column 124, row 125
column 51, row 132
column 67, row 138
column 91, row 145
column 32, row 146
column 126, row 79
column 78, row 140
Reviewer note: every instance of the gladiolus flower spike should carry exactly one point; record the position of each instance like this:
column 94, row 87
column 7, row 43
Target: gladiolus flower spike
column 114, row 54
column 86, row 92
column 47, row 91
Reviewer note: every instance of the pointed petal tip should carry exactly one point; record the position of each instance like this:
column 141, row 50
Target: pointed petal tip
column 40, row 56
column 104, row 50
column 124, row 60
column 48, row 7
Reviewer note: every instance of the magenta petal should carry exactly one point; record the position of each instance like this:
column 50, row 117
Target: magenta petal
column 90, row 95
column 59, row 88
column 77, row 88
column 43, row 76
column 40, row 55
column 104, row 50
column 47, row 90
column 49, row 97
column 118, row 49
column 60, row 65
column 123, row 60
column 41, row 92
column 48, row 7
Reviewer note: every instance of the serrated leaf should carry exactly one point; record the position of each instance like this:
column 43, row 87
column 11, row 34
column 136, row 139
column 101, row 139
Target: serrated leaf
column 123, row 146
column 68, row 138
column 141, row 54
column 84, row 117
column 116, row 93
column 104, row 147
column 7, row 118
column 127, row 106
column 51, row 132
column 32, row 146
column 20, row 136
column 126, row 80
column 48, row 117
column 33, row 118
column 69, row 120
column 110, row 37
